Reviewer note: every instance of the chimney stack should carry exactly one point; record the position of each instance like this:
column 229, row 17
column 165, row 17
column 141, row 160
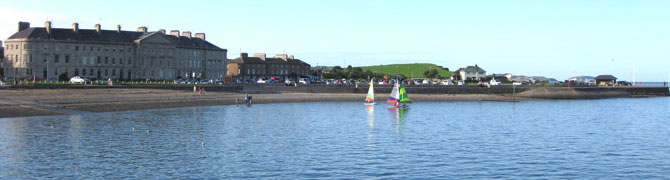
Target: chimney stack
column 118, row 28
column 186, row 34
column 162, row 31
column 260, row 55
column 244, row 55
column 47, row 26
column 200, row 36
column 142, row 29
column 174, row 33
column 23, row 25
column 97, row 28
column 281, row 56
column 75, row 27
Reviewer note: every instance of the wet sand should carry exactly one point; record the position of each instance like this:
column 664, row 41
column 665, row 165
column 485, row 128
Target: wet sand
column 40, row 102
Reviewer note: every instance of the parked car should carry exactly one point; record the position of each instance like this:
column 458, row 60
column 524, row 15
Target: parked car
column 205, row 81
column 447, row 82
column 623, row 83
column 262, row 81
column 426, row 82
column 79, row 80
column 32, row 79
column 521, row 83
column 495, row 82
column 8, row 79
column 461, row 83
column 303, row 81
column 289, row 82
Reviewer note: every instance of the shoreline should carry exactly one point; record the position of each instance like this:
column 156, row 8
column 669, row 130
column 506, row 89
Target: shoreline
column 44, row 102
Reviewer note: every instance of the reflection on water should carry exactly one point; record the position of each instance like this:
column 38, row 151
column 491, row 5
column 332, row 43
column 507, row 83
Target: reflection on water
column 371, row 116
column 580, row 139
column 399, row 115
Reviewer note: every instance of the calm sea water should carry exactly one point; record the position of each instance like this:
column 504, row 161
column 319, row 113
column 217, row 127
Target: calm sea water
column 566, row 139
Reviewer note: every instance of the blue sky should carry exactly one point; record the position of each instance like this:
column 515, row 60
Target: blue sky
column 556, row 39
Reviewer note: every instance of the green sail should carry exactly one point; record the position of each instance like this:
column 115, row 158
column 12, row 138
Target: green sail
column 403, row 95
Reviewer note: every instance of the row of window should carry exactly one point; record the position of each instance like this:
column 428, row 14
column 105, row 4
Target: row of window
column 280, row 72
column 68, row 47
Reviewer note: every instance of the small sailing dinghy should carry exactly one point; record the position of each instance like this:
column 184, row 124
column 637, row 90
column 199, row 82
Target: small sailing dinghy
column 370, row 98
column 399, row 96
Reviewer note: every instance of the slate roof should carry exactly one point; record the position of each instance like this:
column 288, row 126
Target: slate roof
column 471, row 68
column 605, row 77
column 267, row 60
column 105, row 36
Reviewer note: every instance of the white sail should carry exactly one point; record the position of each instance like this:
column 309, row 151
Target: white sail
column 395, row 94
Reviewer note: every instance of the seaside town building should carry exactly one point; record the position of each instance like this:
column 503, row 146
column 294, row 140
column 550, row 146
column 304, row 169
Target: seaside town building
column 471, row 73
column 605, row 80
column 2, row 58
column 48, row 52
column 259, row 66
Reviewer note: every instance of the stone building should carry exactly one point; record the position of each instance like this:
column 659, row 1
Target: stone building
column 2, row 58
column 47, row 52
column 259, row 66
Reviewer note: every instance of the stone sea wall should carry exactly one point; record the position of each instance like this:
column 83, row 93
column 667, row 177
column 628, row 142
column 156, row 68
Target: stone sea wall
column 548, row 92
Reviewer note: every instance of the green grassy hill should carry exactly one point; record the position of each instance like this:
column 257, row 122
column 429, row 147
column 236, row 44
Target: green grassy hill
column 409, row 70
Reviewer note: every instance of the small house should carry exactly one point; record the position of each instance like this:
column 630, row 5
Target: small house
column 471, row 73
column 605, row 80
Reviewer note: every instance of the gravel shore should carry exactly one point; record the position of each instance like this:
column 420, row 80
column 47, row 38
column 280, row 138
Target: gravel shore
column 40, row 102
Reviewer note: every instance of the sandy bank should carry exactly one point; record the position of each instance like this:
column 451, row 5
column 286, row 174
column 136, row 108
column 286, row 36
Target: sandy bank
column 39, row 102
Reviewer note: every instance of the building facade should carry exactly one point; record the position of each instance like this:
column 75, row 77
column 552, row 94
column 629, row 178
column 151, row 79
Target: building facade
column 471, row 73
column 260, row 66
column 47, row 52
column 2, row 59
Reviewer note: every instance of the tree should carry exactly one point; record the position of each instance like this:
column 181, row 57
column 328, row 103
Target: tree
column 456, row 77
column 63, row 77
column 426, row 74
column 433, row 73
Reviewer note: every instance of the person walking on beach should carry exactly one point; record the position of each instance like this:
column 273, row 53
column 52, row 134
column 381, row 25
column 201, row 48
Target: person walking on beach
column 247, row 99
column 200, row 91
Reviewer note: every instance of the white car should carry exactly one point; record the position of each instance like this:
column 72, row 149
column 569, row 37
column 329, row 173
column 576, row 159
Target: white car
column 447, row 82
column 426, row 82
column 79, row 80
column 261, row 81
column 289, row 81
column 303, row 81
column 494, row 82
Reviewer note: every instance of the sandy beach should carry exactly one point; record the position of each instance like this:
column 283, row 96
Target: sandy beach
column 40, row 102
